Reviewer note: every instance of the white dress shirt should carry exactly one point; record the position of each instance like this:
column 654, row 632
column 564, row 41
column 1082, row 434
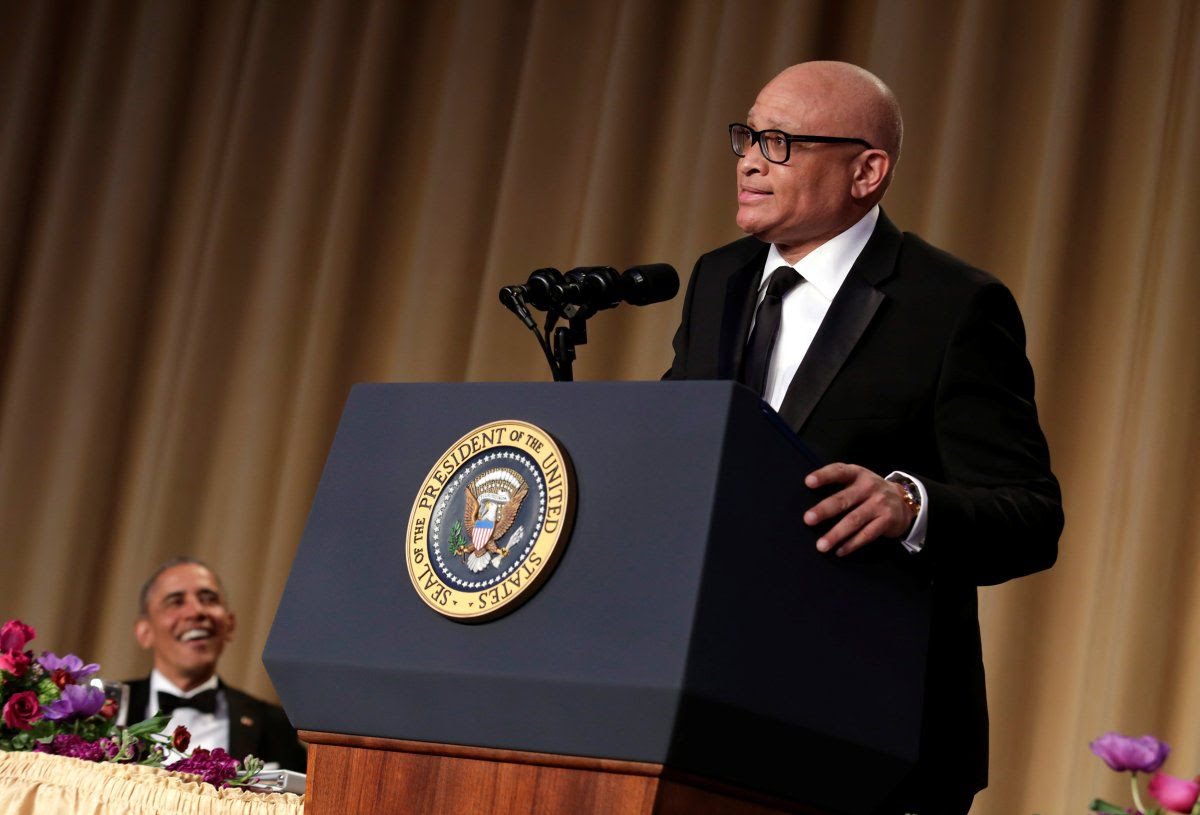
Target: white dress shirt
column 209, row 730
column 823, row 271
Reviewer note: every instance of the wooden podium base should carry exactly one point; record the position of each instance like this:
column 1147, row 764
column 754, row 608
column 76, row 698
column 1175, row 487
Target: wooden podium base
column 357, row 775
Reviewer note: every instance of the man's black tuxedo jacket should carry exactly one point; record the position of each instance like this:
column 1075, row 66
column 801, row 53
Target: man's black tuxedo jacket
column 255, row 727
column 918, row 366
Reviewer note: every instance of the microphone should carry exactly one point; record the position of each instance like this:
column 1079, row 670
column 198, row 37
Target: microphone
column 538, row 291
column 652, row 283
column 591, row 289
column 600, row 287
column 578, row 295
column 597, row 287
column 514, row 301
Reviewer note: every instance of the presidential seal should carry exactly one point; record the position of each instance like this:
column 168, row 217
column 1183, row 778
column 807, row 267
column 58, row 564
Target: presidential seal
column 490, row 522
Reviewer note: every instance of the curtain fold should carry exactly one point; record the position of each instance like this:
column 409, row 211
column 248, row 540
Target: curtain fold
column 217, row 216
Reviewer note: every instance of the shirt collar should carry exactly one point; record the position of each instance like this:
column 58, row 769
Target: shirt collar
column 827, row 266
column 158, row 682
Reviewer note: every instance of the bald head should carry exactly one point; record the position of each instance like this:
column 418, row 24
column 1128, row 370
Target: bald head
column 841, row 100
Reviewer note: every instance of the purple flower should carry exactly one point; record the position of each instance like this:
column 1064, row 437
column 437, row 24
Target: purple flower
column 1144, row 755
column 71, row 666
column 66, row 744
column 216, row 767
column 77, row 702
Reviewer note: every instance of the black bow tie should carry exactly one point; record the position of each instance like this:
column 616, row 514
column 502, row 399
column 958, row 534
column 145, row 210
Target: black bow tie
column 205, row 701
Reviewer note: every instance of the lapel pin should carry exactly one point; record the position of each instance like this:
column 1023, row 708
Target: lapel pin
column 247, row 721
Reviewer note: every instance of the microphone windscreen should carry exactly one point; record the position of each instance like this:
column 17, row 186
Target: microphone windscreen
column 652, row 283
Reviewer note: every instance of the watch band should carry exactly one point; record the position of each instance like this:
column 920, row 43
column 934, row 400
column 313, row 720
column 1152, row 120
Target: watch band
column 911, row 495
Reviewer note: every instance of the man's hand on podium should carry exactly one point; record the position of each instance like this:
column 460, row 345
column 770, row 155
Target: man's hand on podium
column 870, row 508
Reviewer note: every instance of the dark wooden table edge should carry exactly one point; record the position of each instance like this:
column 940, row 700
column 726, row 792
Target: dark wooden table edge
column 589, row 763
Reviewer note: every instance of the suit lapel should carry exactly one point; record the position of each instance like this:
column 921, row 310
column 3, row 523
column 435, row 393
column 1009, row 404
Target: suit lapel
column 139, row 700
column 737, row 313
column 243, row 724
column 850, row 313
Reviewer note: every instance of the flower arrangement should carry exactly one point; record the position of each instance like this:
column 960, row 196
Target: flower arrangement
column 48, row 706
column 1145, row 755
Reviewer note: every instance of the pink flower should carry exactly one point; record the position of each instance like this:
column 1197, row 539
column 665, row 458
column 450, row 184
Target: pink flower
column 15, row 635
column 15, row 662
column 22, row 710
column 1176, row 794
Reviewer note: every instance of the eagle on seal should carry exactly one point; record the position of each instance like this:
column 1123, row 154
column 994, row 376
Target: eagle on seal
column 491, row 507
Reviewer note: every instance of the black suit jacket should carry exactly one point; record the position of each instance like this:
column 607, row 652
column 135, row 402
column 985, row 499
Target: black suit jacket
column 918, row 366
column 255, row 727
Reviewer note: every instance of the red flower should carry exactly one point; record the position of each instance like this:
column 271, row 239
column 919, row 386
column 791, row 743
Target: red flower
column 110, row 708
column 1176, row 794
column 181, row 738
column 15, row 662
column 61, row 678
column 15, row 635
column 22, row 710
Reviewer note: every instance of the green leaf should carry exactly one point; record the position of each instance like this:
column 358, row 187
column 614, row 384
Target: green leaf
column 1104, row 806
column 23, row 742
column 154, row 724
column 458, row 542
column 43, row 728
column 47, row 691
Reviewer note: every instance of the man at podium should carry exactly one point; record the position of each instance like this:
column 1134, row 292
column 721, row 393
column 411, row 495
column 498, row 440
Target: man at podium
column 903, row 367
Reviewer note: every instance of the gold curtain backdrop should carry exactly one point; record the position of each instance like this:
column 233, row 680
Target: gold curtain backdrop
column 217, row 216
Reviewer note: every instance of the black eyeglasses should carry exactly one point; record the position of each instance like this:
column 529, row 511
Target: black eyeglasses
column 776, row 145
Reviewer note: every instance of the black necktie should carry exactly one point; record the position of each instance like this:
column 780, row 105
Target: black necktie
column 766, row 328
column 205, row 701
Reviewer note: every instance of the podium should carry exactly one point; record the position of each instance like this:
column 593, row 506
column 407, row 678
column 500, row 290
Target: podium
column 690, row 652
